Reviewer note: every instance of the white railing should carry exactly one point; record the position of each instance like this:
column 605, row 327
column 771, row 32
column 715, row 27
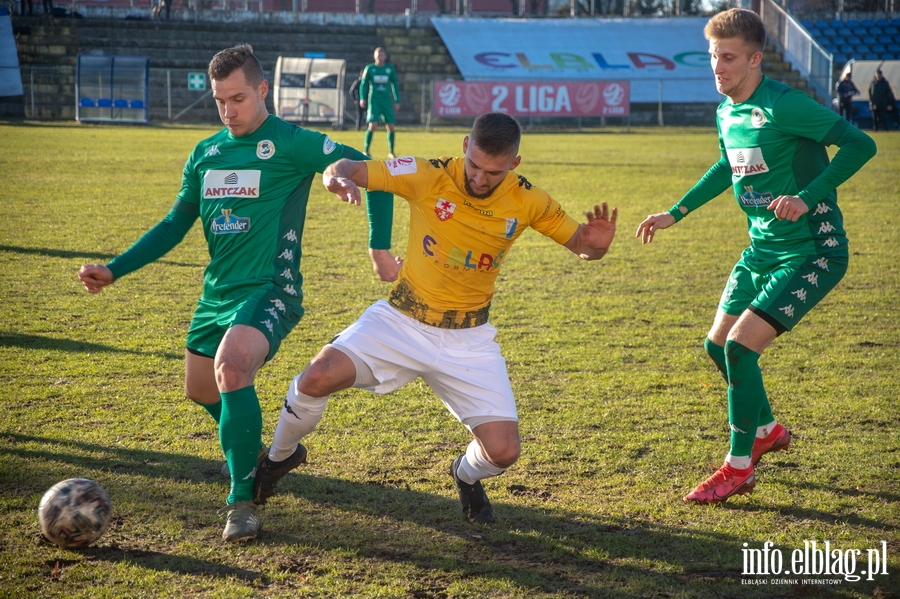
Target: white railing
column 810, row 59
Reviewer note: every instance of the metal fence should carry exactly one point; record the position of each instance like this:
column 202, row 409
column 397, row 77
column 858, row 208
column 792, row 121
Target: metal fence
column 49, row 93
column 810, row 59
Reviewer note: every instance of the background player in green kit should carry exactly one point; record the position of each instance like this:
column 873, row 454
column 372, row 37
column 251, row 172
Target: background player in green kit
column 380, row 93
column 249, row 184
column 772, row 140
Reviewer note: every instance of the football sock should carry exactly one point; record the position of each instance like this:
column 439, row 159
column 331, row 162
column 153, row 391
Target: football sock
column 717, row 353
column 739, row 462
column 390, row 137
column 368, row 141
column 214, row 409
column 240, row 432
column 475, row 466
column 765, row 430
column 746, row 396
column 299, row 416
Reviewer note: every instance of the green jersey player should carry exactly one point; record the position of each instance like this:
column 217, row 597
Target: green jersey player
column 380, row 93
column 772, row 140
column 249, row 185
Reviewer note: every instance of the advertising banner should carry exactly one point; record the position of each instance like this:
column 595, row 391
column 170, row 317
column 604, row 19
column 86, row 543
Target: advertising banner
column 663, row 58
column 530, row 98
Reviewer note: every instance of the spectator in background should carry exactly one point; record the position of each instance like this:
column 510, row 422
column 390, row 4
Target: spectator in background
column 845, row 90
column 48, row 7
column 881, row 101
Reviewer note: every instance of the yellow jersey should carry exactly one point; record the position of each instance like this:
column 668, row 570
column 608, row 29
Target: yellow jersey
column 457, row 243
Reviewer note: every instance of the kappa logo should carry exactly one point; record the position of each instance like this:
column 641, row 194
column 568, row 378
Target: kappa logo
column 826, row 227
column 822, row 263
column 273, row 313
column 831, row 242
column 746, row 161
column 788, row 310
column 280, row 305
column 227, row 224
column 801, row 294
column 265, row 149
column 813, row 279
column 213, row 150
column 822, row 208
column 444, row 209
column 269, row 326
column 287, row 274
column 290, row 290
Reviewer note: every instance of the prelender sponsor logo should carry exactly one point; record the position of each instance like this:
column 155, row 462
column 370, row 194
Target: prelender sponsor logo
column 231, row 184
column 754, row 199
column 228, row 224
column 814, row 559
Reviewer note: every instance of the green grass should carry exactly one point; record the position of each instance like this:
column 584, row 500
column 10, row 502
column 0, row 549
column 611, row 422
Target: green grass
column 621, row 410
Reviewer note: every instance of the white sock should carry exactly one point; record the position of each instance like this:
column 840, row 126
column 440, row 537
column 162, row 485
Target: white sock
column 299, row 417
column 739, row 462
column 765, row 430
column 475, row 466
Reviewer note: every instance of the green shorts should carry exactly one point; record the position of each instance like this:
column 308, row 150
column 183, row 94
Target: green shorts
column 380, row 112
column 269, row 309
column 781, row 292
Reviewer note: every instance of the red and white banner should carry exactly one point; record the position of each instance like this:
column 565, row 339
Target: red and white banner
column 531, row 98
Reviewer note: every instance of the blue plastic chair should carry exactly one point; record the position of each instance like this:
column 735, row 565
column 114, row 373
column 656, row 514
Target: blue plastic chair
column 104, row 103
column 136, row 103
column 120, row 103
column 867, row 23
column 86, row 102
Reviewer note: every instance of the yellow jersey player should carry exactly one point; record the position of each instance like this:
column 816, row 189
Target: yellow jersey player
column 465, row 215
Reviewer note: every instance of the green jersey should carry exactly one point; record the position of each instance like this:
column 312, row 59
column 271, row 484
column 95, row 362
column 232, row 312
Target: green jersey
column 379, row 85
column 251, row 193
column 774, row 144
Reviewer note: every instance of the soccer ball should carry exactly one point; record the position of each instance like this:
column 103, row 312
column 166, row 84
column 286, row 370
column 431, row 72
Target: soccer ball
column 74, row 512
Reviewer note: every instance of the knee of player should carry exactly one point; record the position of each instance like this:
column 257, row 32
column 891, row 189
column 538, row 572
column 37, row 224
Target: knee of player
column 318, row 380
column 506, row 455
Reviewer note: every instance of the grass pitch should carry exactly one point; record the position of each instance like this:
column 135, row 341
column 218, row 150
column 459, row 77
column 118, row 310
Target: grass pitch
column 621, row 411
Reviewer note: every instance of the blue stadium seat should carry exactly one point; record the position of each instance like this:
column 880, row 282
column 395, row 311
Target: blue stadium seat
column 885, row 39
column 822, row 24
column 875, row 30
column 827, row 32
column 845, row 31
column 120, row 103
column 882, row 22
column 848, row 50
column 893, row 30
column 86, row 102
column 893, row 48
column 806, row 24
column 839, row 59
column 862, row 49
column 867, row 23
column 837, row 23
column 878, row 49
column 104, row 103
column 869, row 40
column 136, row 104
column 895, row 22
column 859, row 31
column 851, row 23
column 854, row 40
column 870, row 56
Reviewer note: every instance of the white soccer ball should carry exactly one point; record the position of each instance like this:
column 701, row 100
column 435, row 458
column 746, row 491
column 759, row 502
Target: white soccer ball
column 74, row 512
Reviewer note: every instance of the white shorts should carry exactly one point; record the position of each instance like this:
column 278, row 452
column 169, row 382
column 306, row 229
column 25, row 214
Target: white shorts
column 463, row 367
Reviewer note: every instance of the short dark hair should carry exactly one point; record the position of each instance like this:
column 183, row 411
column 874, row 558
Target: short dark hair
column 737, row 22
column 226, row 62
column 496, row 134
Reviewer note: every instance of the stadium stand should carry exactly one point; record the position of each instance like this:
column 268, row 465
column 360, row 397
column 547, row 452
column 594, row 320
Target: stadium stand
column 860, row 39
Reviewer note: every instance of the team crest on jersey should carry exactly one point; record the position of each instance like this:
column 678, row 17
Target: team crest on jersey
column 757, row 118
column 228, row 223
column 754, row 199
column 328, row 146
column 511, row 226
column 265, row 149
column 444, row 209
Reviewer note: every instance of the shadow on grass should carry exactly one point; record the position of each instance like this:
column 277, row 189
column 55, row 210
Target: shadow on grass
column 59, row 253
column 68, row 345
column 539, row 549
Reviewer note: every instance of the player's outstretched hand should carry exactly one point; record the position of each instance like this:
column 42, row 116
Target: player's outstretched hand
column 789, row 208
column 653, row 223
column 592, row 240
column 386, row 266
column 95, row 277
column 345, row 189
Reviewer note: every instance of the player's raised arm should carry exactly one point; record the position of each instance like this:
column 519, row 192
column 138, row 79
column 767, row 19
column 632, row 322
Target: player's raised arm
column 591, row 241
column 344, row 178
